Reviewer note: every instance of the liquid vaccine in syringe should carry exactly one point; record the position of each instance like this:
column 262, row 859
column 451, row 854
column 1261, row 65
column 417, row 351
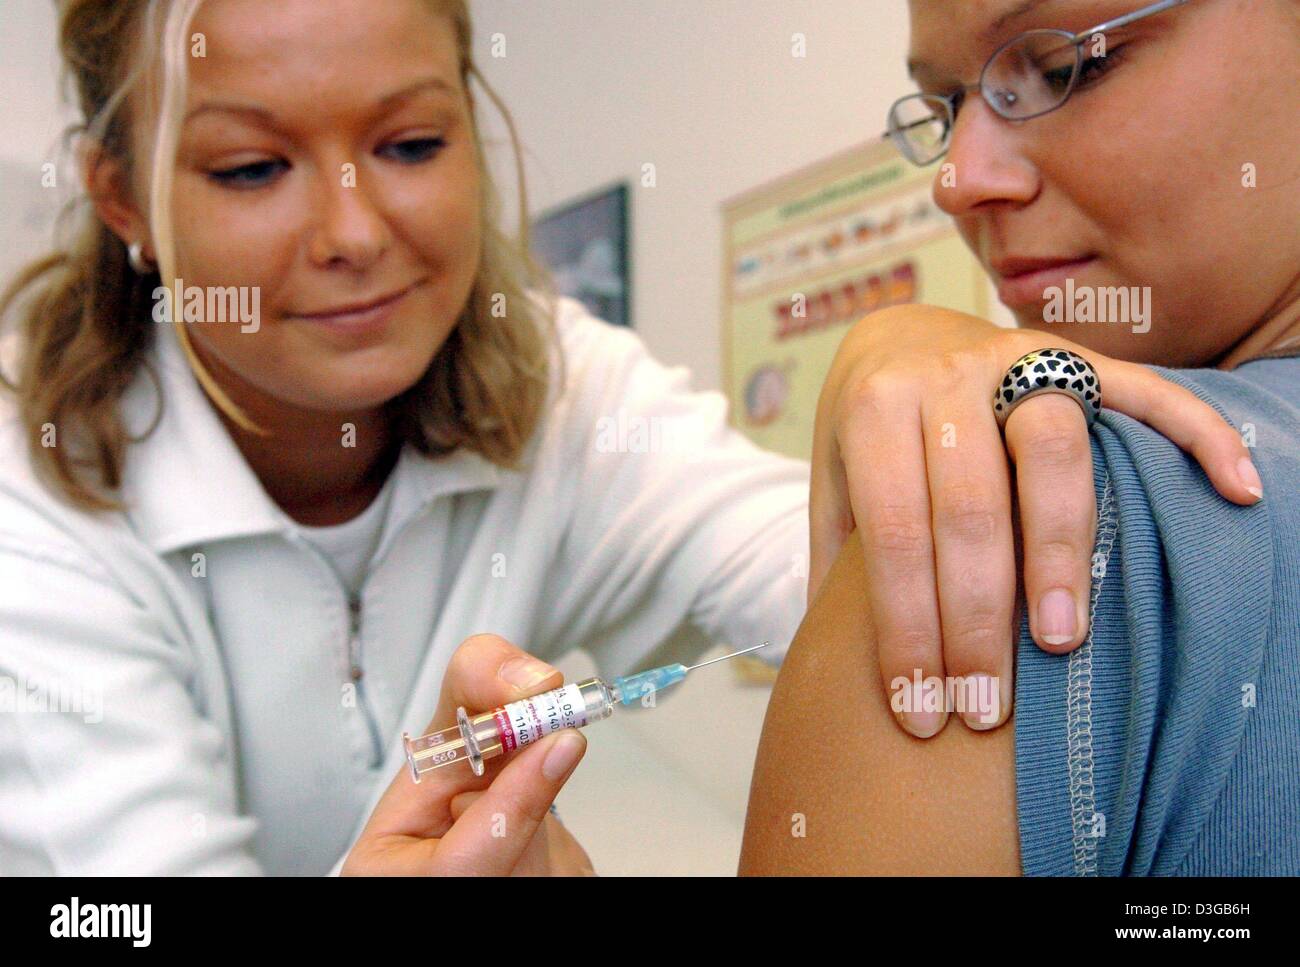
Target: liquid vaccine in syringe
column 477, row 738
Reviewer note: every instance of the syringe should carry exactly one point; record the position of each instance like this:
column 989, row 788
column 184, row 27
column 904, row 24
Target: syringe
column 490, row 734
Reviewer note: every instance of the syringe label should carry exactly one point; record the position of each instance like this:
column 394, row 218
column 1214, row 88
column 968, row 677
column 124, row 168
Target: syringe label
column 532, row 718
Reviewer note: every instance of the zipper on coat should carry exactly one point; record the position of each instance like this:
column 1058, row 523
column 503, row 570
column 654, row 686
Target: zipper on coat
column 355, row 671
column 357, row 674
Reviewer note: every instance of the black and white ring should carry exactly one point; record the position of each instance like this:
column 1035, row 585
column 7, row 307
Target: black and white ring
column 1049, row 371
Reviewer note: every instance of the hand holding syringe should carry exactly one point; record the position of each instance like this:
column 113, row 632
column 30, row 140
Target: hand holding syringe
column 487, row 735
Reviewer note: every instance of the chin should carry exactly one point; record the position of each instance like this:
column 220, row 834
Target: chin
column 356, row 391
column 369, row 395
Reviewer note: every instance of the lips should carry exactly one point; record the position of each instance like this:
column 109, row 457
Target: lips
column 360, row 322
column 1023, row 280
column 355, row 308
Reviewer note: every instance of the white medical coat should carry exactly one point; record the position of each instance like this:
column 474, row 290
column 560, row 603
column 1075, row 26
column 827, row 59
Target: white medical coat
column 180, row 678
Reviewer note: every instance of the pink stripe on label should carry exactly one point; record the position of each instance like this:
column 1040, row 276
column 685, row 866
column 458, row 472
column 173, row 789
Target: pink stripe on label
column 508, row 741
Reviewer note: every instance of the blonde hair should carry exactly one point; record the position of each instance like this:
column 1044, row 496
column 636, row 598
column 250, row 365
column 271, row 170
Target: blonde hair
column 86, row 331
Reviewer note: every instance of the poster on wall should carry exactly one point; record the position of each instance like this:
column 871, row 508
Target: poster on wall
column 585, row 245
column 808, row 255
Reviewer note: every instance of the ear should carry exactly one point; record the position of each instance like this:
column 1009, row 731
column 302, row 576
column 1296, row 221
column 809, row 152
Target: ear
column 104, row 177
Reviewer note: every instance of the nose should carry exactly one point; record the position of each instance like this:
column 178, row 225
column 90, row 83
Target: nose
column 985, row 164
column 350, row 228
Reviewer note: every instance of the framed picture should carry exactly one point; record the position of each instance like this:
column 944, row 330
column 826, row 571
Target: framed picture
column 585, row 244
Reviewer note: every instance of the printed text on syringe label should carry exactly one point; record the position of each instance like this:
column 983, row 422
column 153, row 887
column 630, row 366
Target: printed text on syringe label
column 523, row 722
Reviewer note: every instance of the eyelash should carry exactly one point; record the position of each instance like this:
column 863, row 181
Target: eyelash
column 1101, row 66
column 245, row 176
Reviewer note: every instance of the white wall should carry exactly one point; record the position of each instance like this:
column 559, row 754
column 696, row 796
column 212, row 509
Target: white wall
column 706, row 90
column 30, row 126
column 31, row 120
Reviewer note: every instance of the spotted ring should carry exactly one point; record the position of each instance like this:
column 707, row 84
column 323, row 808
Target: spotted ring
column 1049, row 371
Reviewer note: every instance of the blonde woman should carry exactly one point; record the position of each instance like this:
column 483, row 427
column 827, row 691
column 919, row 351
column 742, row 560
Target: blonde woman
column 245, row 548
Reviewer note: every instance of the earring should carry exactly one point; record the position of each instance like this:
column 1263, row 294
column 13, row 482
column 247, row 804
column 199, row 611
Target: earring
column 135, row 255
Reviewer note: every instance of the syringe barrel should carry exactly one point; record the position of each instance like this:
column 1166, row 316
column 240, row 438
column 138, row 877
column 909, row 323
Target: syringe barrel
column 521, row 723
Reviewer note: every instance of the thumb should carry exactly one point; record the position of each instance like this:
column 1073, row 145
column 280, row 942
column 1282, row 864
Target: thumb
column 493, row 833
column 487, row 671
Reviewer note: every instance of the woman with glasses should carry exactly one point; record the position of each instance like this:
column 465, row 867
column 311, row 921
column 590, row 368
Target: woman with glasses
column 1096, row 148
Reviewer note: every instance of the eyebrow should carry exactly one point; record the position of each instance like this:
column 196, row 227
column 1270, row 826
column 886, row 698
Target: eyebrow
column 385, row 103
column 1015, row 13
column 988, row 34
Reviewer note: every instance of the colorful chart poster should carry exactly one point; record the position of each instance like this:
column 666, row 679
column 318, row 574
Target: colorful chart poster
column 807, row 256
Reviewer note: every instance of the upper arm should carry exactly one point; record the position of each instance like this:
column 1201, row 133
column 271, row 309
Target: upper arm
column 839, row 788
column 106, row 764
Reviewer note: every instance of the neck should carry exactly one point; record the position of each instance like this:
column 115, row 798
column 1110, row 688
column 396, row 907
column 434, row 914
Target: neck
column 304, row 464
column 1278, row 334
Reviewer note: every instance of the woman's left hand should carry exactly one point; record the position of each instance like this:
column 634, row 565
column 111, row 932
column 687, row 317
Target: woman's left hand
column 907, row 450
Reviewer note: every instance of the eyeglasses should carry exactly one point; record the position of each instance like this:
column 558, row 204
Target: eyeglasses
column 1027, row 77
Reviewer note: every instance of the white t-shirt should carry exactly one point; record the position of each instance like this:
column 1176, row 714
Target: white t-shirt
column 351, row 545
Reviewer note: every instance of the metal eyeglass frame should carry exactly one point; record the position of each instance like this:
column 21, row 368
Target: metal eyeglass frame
column 952, row 101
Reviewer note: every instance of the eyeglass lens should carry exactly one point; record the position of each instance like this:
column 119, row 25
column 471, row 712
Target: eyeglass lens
column 1031, row 75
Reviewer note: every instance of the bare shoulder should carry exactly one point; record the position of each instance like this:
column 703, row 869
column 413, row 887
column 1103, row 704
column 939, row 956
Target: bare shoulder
column 839, row 788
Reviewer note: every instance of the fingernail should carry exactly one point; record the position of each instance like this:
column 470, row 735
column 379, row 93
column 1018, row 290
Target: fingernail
column 916, row 719
column 1057, row 619
column 1250, row 477
column 982, row 701
column 525, row 672
column 563, row 755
